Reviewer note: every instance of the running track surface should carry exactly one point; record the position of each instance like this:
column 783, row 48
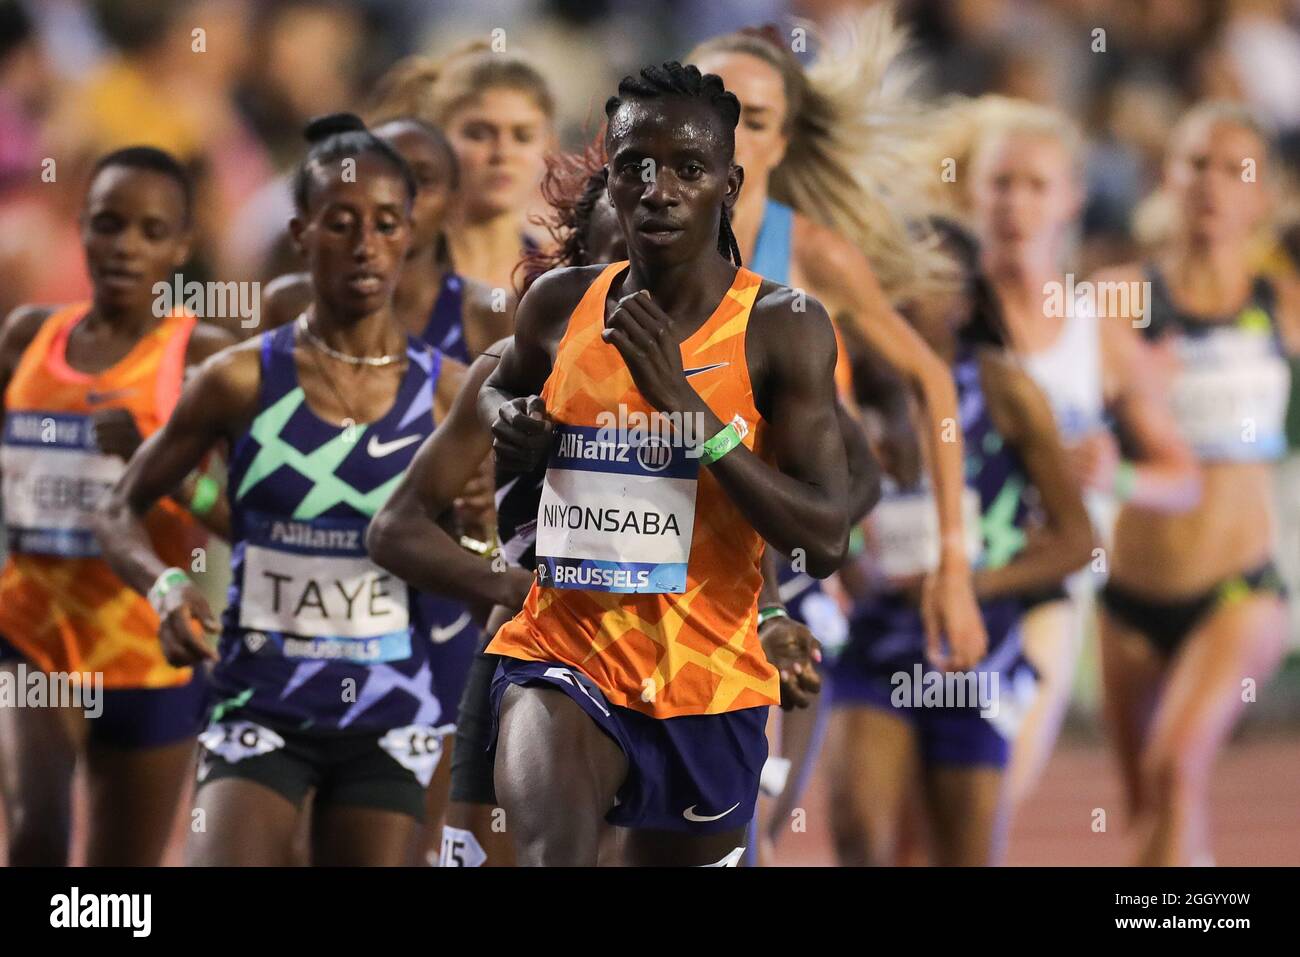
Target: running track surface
column 1256, row 794
column 1256, row 811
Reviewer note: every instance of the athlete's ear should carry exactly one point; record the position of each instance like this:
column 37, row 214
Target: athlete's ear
column 735, row 180
column 1078, row 196
column 609, row 191
column 297, row 227
column 778, row 152
column 184, row 248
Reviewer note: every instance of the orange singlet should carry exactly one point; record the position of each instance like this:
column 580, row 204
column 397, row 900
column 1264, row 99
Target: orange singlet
column 60, row 605
column 659, row 572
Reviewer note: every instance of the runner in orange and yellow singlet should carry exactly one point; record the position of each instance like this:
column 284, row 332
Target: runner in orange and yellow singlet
column 682, row 431
column 83, row 385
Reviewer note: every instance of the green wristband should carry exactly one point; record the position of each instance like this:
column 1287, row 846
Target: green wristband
column 169, row 579
column 772, row 611
column 1126, row 475
column 207, row 491
column 732, row 434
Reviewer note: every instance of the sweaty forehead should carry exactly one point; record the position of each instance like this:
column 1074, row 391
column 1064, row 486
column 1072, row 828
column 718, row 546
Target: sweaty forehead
column 666, row 124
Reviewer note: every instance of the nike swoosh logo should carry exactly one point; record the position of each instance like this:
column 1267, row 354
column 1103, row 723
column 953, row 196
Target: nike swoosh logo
column 379, row 449
column 696, row 371
column 95, row 398
column 446, row 632
column 690, row 814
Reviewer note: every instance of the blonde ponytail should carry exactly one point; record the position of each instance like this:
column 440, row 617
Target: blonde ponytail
column 846, row 166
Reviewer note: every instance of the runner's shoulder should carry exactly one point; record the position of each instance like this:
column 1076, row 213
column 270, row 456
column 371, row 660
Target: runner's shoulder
column 566, row 282
column 233, row 373
column 284, row 298
column 487, row 313
column 207, row 340
column 482, row 298
column 791, row 314
column 551, row 299
column 823, row 255
column 19, row 329
column 22, row 324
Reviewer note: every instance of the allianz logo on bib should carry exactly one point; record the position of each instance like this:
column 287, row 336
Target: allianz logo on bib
column 305, row 535
column 661, row 455
column 50, row 430
column 654, row 455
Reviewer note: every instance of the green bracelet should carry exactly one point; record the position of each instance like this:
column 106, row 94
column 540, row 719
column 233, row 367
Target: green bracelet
column 771, row 611
column 857, row 541
column 207, row 491
column 732, row 434
column 1126, row 476
column 164, row 583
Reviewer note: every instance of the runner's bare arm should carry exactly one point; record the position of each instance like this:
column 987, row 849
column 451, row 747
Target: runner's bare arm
column 451, row 382
column 205, row 342
column 1288, row 313
column 490, row 397
column 802, row 503
column 489, row 315
column 218, row 398
column 405, row 537
column 1023, row 416
column 844, row 277
column 217, row 403
column 521, row 430
column 19, row 329
column 864, row 470
column 790, row 646
column 1166, row 477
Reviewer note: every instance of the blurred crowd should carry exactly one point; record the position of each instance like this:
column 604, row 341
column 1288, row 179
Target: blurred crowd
column 228, row 84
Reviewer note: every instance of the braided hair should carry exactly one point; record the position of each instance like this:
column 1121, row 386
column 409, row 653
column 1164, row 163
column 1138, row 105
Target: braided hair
column 673, row 79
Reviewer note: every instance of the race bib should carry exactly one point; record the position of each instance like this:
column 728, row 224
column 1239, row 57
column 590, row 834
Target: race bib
column 616, row 516
column 235, row 741
column 1230, row 397
column 417, row 747
column 311, row 587
column 905, row 532
column 54, row 479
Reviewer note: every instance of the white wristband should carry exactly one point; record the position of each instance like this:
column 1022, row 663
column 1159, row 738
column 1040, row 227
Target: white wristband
column 170, row 578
